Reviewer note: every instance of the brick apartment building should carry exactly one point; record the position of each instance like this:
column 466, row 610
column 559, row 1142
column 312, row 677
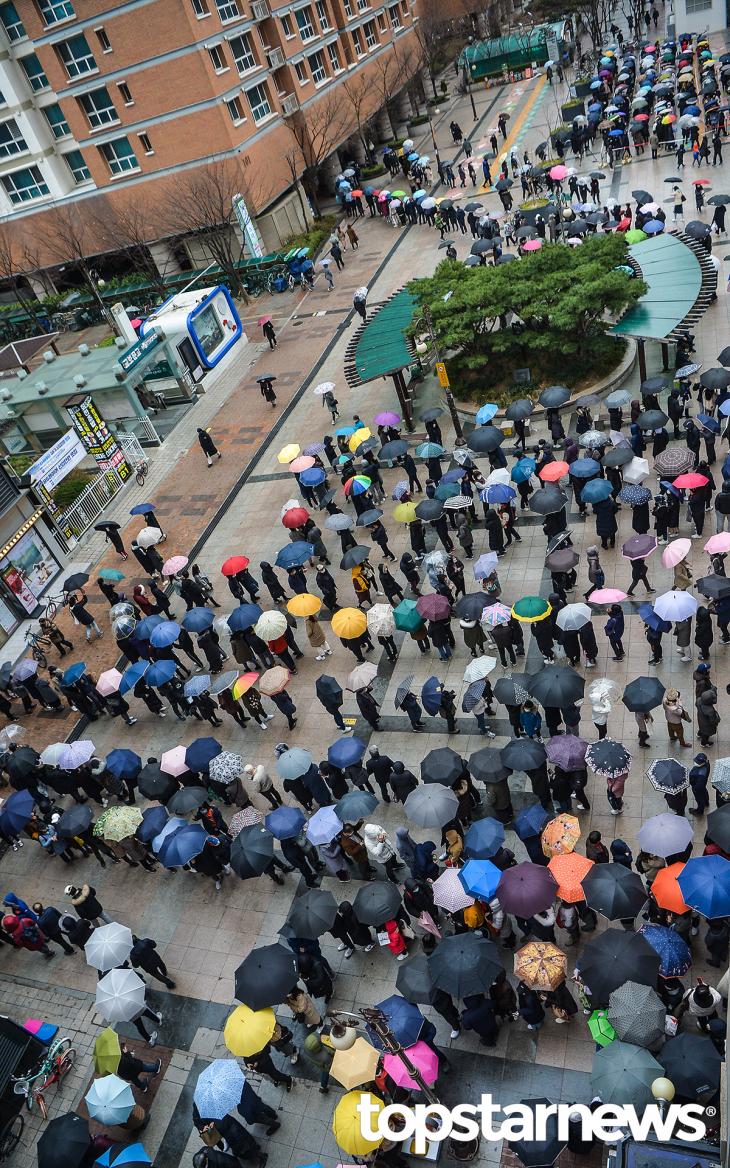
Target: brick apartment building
column 118, row 103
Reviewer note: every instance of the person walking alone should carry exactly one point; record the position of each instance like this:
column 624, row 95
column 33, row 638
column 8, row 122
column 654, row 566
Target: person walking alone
column 270, row 333
column 208, row 446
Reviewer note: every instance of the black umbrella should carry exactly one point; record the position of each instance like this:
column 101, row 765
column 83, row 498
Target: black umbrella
column 652, row 419
column 436, row 411
column 539, row 1153
column 327, row 498
column 615, row 957
column 74, row 821
column 414, row 980
column 668, row 775
column 716, row 587
column 719, row 200
column 526, row 233
column 430, row 509
column 608, row 758
column 484, row 439
column 523, row 754
column 562, row 560
column 512, row 691
column 368, row 517
column 265, row 977
column 519, row 410
column 312, row 914
column 467, row 207
column 724, row 357
column 693, row 1065
column 557, row 685
column 504, row 184
column 21, row 766
column 718, row 827
column 354, row 556
column 696, row 229
column 327, row 687
column 186, row 799
column 618, row 456
column 376, row 902
column 391, row 450
column 64, row 1143
column 471, row 606
column 614, row 891
column 715, row 379
column 643, row 694
column 442, row 765
column 548, row 500
column 464, row 964
column 251, row 851
column 642, row 197
column 107, row 525
column 155, row 784
column 554, row 396
column 481, row 247
column 486, row 765
column 654, row 385
column 446, row 242
column 75, row 580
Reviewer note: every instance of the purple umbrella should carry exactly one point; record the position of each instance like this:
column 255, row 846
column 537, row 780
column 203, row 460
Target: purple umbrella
column 567, row 751
column 639, row 547
column 526, row 889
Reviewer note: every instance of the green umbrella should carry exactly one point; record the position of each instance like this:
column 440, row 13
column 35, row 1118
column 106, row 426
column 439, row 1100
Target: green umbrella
column 531, row 608
column 624, row 1074
column 406, row 616
column 601, row 1029
column 107, row 1052
column 635, row 235
column 111, row 574
column 117, row 823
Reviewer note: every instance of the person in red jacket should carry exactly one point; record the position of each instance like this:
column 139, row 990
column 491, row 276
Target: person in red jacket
column 26, row 934
column 396, row 941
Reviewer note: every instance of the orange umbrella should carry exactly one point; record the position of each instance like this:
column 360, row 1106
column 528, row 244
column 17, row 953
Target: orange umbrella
column 541, row 965
column 553, row 471
column 243, row 683
column 666, row 890
column 560, row 835
column 569, row 871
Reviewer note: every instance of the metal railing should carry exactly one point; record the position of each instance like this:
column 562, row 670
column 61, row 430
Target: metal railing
column 88, row 507
column 132, row 447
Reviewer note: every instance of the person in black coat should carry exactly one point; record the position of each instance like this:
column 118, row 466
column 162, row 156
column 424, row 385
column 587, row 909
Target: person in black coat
column 253, row 1110
column 272, row 582
column 316, row 976
column 349, row 931
column 326, row 584
column 441, row 527
column 402, row 781
column 409, row 569
column 317, row 788
column 215, row 656
column 412, row 708
column 606, row 525
column 379, row 535
column 284, row 703
column 380, row 766
column 295, row 855
column 530, row 1007
column 478, row 1015
column 208, row 446
column 409, row 466
column 333, row 705
column 368, row 707
column 390, row 585
column 587, row 639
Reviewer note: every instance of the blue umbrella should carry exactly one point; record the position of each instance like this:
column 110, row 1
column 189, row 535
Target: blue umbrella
column 345, row 752
column 196, row 685
column 123, row 764
column 123, row 1156
column 132, row 675
column 429, row 450
column 324, row 825
column 404, row 1019
column 244, row 617
column 584, row 468
column 183, row 845
column 446, row 491
column 530, row 822
column 486, row 413
column 201, row 753
column 497, row 493
column 153, row 821
column 431, row 695
column 17, row 810
column 142, row 509
column 480, row 878
column 73, row 673
column 160, row 672
column 653, row 227
column 634, row 494
column 484, row 839
column 285, row 822
column 169, row 827
column 165, row 635
column 596, row 491
column 650, row 618
column 355, row 805
column 673, row 950
column 705, row 885
column 197, row 620
column 671, row 488
column 709, row 423
column 345, row 431
column 523, row 470
column 219, row 1088
column 312, row 477
column 453, row 476
column 145, row 627
column 294, row 554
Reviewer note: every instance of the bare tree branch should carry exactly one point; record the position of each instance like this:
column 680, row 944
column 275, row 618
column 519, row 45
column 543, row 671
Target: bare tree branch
column 317, row 130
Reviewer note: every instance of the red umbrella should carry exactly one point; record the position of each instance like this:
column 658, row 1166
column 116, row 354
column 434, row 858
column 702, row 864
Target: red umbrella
column 690, row 480
column 294, row 517
column 553, row 471
column 433, row 607
column 263, row 319
column 235, row 564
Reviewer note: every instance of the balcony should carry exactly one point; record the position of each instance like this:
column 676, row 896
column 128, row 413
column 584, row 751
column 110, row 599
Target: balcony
column 276, row 58
column 260, row 9
column 289, row 105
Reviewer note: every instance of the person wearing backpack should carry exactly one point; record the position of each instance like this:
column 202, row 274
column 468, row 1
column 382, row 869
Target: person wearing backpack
column 26, row 934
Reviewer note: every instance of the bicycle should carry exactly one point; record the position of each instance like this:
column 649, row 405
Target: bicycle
column 141, row 471
column 54, row 1067
column 38, row 643
column 53, row 603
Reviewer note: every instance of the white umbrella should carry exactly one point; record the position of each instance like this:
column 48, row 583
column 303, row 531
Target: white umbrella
column 324, row 386
column 675, row 605
column 381, row 621
column 362, row 676
column 480, row 668
column 110, row 1100
column 573, row 617
column 501, row 475
column 603, row 687
column 449, row 893
column 52, row 754
column 434, row 559
column 270, row 625
column 289, row 505
column 120, row 995
column 721, row 775
column 635, row 471
column 149, row 536
column 109, row 946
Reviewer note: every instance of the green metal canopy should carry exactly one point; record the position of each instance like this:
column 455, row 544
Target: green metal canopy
column 380, row 347
column 675, row 277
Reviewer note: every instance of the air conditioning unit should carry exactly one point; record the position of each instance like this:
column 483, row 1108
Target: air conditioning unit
column 276, row 58
column 289, row 105
column 260, row 9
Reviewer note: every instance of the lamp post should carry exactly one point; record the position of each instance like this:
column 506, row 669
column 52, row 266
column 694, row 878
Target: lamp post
column 466, row 80
column 346, row 1034
column 663, row 1091
column 426, row 319
column 437, row 111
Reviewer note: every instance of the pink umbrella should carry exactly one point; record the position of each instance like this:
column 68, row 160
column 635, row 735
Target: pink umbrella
column 532, row 245
column 449, row 892
column 109, row 682
column 386, row 419
column 675, row 552
column 173, row 761
column 718, row 543
column 422, row 1057
column 304, row 462
column 606, row 596
column 136, row 322
column 173, row 565
column 558, row 173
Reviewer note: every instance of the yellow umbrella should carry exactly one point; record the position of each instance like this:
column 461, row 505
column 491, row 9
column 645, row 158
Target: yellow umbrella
column 349, row 623
column 304, row 604
column 288, row 453
column 107, row 1052
column 246, row 1031
column 355, row 1066
column 541, row 965
column 346, row 1123
column 560, row 835
column 359, row 436
column 405, row 513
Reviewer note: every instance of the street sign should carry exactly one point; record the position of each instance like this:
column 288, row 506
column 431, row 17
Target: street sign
column 442, row 375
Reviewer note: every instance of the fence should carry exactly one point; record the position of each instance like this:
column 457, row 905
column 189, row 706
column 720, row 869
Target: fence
column 89, row 506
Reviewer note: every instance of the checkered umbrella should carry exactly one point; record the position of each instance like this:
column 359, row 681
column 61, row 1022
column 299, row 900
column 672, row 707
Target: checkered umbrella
column 721, row 775
column 225, row 767
column 449, row 893
column 637, row 1014
column 405, row 688
column 248, row 817
column 674, row 461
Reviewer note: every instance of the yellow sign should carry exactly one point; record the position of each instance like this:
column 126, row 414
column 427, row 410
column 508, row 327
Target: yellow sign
column 442, row 375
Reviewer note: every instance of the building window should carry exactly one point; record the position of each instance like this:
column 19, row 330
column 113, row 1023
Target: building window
column 287, row 25
column 75, row 162
column 125, row 93
column 322, row 16
column 243, row 53
column 76, row 56
column 395, row 16
column 200, row 8
column 258, row 99
column 362, row 5
column 11, row 140
column 25, row 185
column 56, row 120
column 99, row 108
column 301, row 71
column 144, row 141
column 11, row 22
column 371, row 39
column 318, row 67
column 34, row 72
column 304, row 23
column 357, row 40
column 104, row 42
column 382, row 22
column 217, row 58
column 53, row 11
column 348, row 9
column 334, row 58
column 227, row 10
column 235, row 109
column 119, row 156
column 697, row 6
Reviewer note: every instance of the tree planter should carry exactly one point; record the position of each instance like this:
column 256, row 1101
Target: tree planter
column 582, row 88
column 534, row 207
column 571, row 110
